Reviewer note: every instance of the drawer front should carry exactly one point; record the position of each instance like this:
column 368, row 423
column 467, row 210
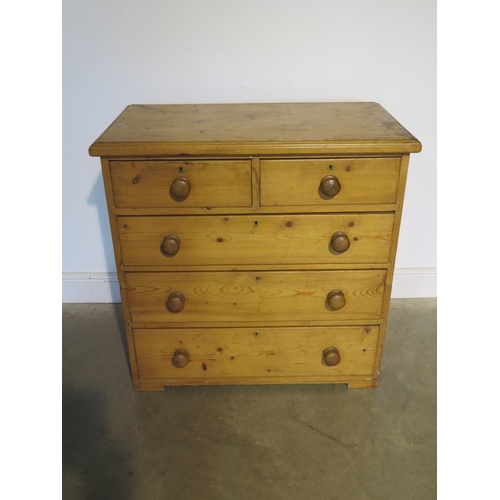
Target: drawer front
column 247, row 352
column 233, row 240
column 164, row 184
column 255, row 297
column 298, row 182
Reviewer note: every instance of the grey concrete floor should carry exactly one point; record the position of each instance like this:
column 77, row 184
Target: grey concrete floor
column 251, row 442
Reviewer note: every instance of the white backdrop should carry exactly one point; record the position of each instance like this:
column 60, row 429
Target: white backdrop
column 121, row 52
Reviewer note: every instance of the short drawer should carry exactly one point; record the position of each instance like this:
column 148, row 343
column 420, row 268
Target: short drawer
column 185, row 298
column 324, row 182
column 179, row 183
column 214, row 355
column 232, row 240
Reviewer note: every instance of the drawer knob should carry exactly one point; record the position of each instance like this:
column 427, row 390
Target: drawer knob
column 180, row 188
column 180, row 358
column 335, row 300
column 330, row 186
column 170, row 245
column 175, row 302
column 340, row 242
column 331, row 356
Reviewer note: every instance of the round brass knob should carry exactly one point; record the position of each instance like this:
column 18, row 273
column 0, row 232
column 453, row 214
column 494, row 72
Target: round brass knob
column 180, row 188
column 170, row 245
column 340, row 242
column 175, row 302
column 180, row 358
column 330, row 186
column 331, row 356
column 335, row 300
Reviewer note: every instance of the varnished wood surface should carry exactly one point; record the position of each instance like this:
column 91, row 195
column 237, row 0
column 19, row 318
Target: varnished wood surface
column 214, row 183
column 222, row 219
column 113, row 222
column 262, row 267
column 390, row 271
column 288, row 128
column 292, row 209
column 296, row 182
column 256, row 323
column 251, row 297
column 247, row 352
column 258, row 239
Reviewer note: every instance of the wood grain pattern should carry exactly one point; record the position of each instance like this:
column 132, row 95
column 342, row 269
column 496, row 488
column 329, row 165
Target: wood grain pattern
column 278, row 128
column 251, row 297
column 121, row 276
column 113, row 223
column 262, row 267
column 214, row 183
column 256, row 184
column 247, row 352
column 254, row 282
column 255, row 323
column 390, row 271
column 386, row 207
column 230, row 240
column 296, row 182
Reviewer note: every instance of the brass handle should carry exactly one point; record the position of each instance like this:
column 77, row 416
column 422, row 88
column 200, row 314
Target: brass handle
column 335, row 300
column 175, row 302
column 180, row 188
column 180, row 358
column 331, row 356
column 330, row 186
column 170, row 245
column 340, row 242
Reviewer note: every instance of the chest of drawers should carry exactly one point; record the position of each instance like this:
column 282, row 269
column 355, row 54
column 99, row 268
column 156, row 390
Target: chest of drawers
column 255, row 243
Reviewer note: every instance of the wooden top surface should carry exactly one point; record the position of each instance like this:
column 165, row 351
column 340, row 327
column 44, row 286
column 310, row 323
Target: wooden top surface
column 248, row 129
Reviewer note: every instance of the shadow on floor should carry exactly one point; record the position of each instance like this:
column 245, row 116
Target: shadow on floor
column 85, row 429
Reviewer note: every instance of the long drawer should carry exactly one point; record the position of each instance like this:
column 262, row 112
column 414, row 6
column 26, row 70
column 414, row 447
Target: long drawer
column 183, row 298
column 181, row 183
column 232, row 240
column 251, row 353
column 329, row 181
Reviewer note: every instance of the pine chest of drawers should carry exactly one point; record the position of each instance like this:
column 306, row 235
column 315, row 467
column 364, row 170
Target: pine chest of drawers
column 255, row 243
